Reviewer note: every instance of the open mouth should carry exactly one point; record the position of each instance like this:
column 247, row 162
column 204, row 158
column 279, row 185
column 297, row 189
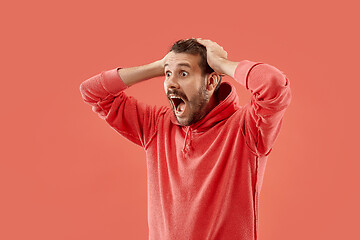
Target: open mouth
column 178, row 104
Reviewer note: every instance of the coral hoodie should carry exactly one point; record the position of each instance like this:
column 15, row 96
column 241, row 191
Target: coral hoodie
column 203, row 180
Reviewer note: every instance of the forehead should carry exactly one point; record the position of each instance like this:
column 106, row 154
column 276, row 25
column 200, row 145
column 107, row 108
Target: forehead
column 174, row 60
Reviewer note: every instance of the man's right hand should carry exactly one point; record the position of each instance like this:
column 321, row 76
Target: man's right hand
column 162, row 62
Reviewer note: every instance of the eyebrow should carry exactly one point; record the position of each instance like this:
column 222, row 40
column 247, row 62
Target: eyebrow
column 180, row 64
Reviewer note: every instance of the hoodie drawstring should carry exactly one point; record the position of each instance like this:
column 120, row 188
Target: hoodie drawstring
column 187, row 138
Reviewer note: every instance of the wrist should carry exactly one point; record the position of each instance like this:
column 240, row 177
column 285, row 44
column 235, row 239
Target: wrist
column 228, row 67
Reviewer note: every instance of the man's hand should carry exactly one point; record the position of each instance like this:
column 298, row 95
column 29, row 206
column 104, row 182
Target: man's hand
column 162, row 62
column 217, row 58
column 215, row 54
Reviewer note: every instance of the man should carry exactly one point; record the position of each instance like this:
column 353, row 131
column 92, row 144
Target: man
column 206, row 155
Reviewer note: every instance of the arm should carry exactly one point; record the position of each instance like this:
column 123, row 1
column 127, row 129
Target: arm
column 263, row 115
column 271, row 96
column 131, row 76
column 105, row 93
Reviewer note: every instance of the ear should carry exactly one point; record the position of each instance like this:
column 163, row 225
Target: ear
column 212, row 81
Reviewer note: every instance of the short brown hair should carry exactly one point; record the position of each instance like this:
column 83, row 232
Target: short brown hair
column 193, row 47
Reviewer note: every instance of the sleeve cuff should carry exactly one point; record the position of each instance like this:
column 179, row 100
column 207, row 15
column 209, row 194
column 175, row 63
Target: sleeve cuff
column 112, row 82
column 242, row 71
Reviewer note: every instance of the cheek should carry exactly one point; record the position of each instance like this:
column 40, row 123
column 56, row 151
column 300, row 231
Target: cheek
column 192, row 93
column 192, row 99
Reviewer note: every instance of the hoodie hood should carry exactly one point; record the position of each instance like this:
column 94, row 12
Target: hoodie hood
column 228, row 104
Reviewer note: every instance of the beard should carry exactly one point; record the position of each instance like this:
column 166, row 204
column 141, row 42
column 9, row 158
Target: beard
column 196, row 107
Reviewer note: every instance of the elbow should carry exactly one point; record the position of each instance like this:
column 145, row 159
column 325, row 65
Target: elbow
column 84, row 92
column 87, row 94
column 277, row 85
column 271, row 85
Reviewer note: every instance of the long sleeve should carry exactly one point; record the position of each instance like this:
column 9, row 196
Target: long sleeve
column 134, row 120
column 271, row 95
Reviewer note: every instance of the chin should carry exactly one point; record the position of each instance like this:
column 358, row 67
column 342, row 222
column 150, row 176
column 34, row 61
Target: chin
column 182, row 121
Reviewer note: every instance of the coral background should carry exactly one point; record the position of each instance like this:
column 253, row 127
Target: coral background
column 65, row 174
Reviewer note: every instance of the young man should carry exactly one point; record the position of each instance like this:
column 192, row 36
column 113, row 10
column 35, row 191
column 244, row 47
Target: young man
column 205, row 155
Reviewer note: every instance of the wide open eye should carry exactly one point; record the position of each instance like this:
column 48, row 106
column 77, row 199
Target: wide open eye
column 184, row 74
column 168, row 74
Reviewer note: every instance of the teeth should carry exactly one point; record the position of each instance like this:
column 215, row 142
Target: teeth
column 175, row 97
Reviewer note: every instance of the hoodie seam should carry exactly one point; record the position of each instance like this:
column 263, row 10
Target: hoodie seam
column 146, row 146
column 185, row 139
column 255, row 200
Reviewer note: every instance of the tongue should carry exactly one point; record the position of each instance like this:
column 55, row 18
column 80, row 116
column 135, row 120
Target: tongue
column 181, row 107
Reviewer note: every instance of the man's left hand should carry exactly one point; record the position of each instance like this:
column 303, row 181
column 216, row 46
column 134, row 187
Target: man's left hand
column 216, row 54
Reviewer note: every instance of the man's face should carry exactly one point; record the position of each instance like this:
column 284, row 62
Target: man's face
column 185, row 87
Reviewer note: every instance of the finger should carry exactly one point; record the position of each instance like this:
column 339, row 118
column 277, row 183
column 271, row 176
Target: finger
column 203, row 42
column 199, row 40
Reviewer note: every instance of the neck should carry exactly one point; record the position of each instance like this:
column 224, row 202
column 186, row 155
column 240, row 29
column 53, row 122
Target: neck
column 213, row 102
